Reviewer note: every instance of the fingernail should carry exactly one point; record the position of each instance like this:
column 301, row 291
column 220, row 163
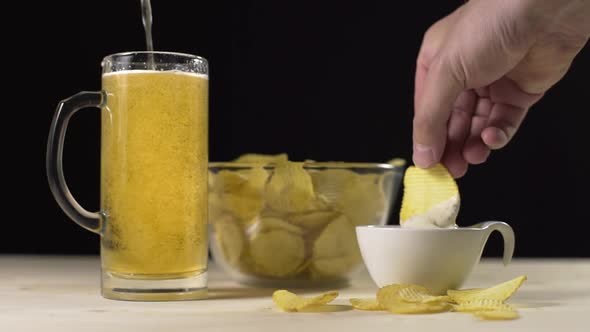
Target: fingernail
column 423, row 156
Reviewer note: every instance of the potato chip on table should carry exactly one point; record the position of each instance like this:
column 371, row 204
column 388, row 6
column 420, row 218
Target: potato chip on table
column 410, row 299
column 368, row 304
column 496, row 314
column 500, row 292
column 492, row 309
column 419, row 294
column 483, row 304
column 486, row 304
column 291, row 302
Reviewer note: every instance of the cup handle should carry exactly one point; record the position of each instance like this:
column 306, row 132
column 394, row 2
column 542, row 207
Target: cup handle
column 91, row 221
column 507, row 236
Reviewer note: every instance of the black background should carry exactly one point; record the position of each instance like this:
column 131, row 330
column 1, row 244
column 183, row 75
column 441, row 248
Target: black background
column 316, row 79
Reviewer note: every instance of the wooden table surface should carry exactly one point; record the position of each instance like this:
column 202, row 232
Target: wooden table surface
column 49, row 293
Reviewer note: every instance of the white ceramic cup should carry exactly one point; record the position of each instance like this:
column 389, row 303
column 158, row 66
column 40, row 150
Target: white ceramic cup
column 436, row 258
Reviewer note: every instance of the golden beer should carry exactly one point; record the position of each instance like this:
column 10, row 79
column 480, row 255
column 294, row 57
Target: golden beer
column 154, row 174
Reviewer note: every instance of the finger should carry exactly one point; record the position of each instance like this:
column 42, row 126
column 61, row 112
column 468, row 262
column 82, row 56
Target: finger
column 475, row 150
column 456, row 166
column 483, row 91
column 421, row 71
column 441, row 87
column 424, row 154
column 502, row 125
column 458, row 131
column 432, row 40
column 511, row 104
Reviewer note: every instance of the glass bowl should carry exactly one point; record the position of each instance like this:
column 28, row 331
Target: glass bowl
column 293, row 224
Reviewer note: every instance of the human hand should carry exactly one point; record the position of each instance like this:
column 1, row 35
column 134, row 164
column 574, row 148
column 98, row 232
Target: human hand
column 482, row 67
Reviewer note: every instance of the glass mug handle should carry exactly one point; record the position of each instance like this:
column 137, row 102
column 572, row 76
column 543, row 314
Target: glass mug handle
column 91, row 221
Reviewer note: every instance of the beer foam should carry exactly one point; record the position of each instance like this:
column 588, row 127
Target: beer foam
column 145, row 71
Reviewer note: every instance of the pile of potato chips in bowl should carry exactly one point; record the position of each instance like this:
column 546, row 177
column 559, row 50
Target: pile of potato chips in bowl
column 275, row 222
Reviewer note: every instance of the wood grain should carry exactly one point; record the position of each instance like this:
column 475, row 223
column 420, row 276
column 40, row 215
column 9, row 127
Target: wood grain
column 49, row 293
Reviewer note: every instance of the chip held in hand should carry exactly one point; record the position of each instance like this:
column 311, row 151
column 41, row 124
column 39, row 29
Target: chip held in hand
column 431, row 198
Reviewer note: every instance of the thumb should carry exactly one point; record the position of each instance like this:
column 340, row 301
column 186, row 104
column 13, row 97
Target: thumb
column 440, row 87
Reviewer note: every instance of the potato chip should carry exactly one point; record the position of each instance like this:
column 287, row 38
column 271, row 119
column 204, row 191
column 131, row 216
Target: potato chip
column 483, row 304
column 389, row 295
column 403, row 307
column 312, row 220
column 265, row 224
column 499, row 292
column 244, row 207
column 359, row 196
column 257, row 178
column 277, row 253
column 363, row 200
column 230, row 238
column 408, row 299
column 241, row 191
column 246, row 263
column 366, row 304
column 331, row 183
column 261, row 158
column 290, row 189
column 419, row 294
column 324, row 298
column 216, row 208
column 226, row 180
column 336, row 251
column 497, row 315
column 290, row 302
column 425, row 190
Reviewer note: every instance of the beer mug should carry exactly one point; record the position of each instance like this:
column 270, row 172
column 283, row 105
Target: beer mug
column 154, row 152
